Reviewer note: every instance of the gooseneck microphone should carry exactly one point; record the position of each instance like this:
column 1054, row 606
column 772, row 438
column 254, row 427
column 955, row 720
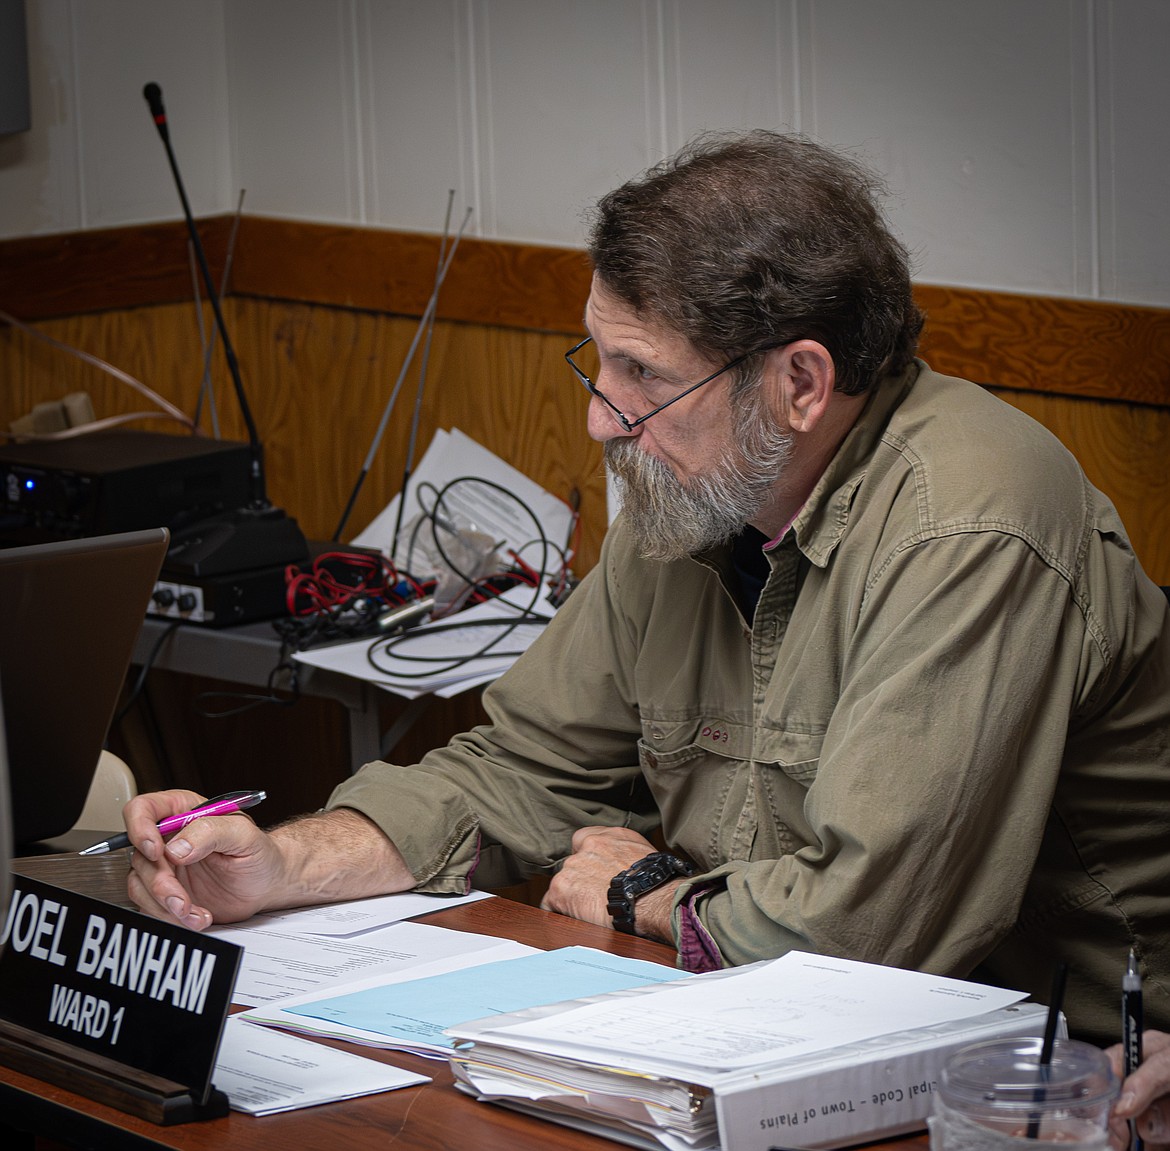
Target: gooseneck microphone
column 153, row 94
column 258, row 535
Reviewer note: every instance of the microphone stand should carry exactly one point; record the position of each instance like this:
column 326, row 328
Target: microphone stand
column 259, row 535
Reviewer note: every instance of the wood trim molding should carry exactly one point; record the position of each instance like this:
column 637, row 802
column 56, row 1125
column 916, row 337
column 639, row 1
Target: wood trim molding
column 1080, row 348
column 1086, row 349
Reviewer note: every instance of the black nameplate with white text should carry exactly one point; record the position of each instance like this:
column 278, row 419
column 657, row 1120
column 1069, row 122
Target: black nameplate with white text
column 146, row 994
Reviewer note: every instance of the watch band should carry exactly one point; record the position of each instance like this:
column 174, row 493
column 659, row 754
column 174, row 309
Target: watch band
column 648, row 873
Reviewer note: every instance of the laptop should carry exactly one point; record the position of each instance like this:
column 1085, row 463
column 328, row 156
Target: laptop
column 5, row 824
column 70, row 612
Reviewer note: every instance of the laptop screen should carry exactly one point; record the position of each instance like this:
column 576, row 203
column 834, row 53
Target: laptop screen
column 70, row 612
column 5, row 822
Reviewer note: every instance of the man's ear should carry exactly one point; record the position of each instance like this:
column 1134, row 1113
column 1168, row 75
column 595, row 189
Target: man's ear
column 802, row 376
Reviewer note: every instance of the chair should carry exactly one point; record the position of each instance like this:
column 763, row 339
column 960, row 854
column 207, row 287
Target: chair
column 112, row 788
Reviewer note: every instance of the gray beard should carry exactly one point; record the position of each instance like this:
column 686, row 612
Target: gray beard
column 671, row 519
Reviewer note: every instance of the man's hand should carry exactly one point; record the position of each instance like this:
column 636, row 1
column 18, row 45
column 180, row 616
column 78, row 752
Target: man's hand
column 581, row 887
column 1145, row 1095
column 224, row 869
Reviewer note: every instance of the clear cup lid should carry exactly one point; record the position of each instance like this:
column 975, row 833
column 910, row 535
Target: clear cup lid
column 1007, row 1073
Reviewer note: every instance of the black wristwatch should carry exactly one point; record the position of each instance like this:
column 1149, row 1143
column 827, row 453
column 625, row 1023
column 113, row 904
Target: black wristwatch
column 653, row 871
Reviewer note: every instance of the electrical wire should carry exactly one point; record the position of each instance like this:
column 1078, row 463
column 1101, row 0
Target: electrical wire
column 140, row 681
column 521, row 574
column 340, row 596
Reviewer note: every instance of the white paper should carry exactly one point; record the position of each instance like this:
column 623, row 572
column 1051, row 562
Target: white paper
column 354, row 916
column 277, row 964
column 792, row 1006
column 280, row 1014
column 454, row 454
column 264, row 1071
column 448, row 669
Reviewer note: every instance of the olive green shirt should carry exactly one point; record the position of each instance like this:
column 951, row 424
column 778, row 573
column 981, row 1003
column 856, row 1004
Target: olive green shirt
column 942, row 743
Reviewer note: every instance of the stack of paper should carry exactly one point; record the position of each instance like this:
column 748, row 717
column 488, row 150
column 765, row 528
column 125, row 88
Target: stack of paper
column 433, row 658
column 451, row 456
column 800, row 1052
column 315, row 951
column 411, row 1010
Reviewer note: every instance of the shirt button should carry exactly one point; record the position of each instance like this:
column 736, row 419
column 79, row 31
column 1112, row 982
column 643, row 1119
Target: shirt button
column 657, row 733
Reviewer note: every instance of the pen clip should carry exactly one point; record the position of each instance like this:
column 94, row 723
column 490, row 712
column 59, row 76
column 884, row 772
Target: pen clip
column 227, row 797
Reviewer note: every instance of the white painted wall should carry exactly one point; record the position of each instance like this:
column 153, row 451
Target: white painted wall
column 1025, row 141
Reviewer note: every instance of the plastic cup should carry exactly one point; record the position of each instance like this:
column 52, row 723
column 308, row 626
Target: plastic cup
column 997, row 1095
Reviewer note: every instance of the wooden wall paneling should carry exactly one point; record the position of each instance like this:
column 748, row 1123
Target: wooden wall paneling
column 335, row 370
column 158, row 346
column 1125, row 451
column 1074, row 347
column 1034, row 343
column 106, row 268
column 489, row 282
column 501, row 377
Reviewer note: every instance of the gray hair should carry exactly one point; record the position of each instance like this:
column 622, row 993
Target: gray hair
column 747, row 241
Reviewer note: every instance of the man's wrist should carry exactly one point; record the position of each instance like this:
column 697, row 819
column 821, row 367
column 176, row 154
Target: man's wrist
column 655, row 912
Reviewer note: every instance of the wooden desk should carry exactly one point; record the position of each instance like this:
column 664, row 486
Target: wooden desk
column 434, row 1117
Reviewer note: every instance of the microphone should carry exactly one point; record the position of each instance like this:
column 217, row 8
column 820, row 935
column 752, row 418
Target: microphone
column 153, row 94
column 258, row 535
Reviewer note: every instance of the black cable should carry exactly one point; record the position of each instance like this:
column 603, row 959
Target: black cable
column 253, row 700
column 391, row 646
column 147, row 664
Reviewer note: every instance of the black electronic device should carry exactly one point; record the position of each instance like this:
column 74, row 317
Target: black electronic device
column 117, row 481
column 222, row 599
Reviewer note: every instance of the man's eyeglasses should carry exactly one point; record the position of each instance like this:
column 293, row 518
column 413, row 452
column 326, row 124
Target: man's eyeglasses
column 629, row 424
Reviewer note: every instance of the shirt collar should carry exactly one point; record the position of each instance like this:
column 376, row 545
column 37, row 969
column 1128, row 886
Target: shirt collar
column 820, row 523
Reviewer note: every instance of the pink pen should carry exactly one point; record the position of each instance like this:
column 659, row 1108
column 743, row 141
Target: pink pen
column 226, row 804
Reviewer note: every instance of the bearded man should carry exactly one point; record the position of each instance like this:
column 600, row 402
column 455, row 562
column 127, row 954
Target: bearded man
column 865, row 653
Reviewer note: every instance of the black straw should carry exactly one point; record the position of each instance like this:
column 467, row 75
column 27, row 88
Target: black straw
column 1055, row 1000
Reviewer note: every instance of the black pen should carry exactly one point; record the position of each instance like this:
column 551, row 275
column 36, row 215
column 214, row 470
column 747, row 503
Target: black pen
column 227, row 804
column 1131, row 1030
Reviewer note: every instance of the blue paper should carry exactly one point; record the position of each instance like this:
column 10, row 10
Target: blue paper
column 418, row 1011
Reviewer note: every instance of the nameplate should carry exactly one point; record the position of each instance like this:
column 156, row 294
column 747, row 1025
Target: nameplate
column 117, row 984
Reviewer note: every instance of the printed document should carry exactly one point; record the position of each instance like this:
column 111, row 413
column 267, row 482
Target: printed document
column 410, row 1010
column 433, row 658
column 796, row 1005
column 263, row 1071
column 353, row 916
column 277, row 963
column 454, row 454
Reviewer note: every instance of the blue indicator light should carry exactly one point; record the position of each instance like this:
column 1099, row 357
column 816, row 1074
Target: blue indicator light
column 30, row 485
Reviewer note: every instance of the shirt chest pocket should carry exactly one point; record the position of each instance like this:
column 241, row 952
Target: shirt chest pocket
column 717, row 803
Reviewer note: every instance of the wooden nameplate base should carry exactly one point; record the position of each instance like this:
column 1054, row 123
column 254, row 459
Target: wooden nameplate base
column 104, row 1080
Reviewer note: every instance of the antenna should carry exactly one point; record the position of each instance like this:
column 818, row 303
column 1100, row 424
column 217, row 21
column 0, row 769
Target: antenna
column 412, row 443
column 423, row 323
